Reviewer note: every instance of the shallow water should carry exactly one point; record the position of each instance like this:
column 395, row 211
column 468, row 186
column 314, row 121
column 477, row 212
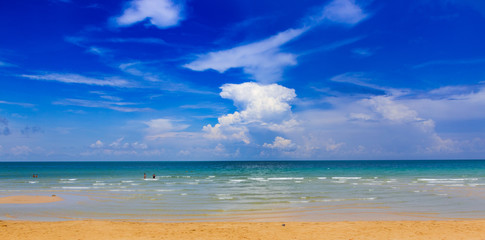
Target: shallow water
column 248, row 191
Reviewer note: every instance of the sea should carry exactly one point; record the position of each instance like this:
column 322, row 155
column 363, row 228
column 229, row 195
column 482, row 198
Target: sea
column 247, row 190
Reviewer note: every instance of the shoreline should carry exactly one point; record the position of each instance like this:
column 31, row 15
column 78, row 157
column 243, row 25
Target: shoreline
column 362, row 230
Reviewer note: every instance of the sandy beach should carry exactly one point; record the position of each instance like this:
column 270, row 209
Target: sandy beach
column 29, row 199
column 372, row 230
column 132, row 230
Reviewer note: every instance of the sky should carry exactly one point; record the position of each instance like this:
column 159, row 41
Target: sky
column 241, row 80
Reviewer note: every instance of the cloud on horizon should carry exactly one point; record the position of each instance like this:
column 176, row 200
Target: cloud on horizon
column 260, row 106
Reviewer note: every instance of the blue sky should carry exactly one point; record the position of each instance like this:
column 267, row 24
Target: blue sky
column 242, row 80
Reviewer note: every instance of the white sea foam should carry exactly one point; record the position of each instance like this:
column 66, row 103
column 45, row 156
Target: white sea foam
column 346, row 178
column 32, row 182
column 285, row 178
column 258, row 179
column 126, row 181
column 237, row 180
column 66, row 182
column 322, row 178
column 225, row 198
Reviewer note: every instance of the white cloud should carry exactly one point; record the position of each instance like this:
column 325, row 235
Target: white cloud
column 160, row 13
column 265, row 103
column 29, row 105
column 344, row 12
column 79, row 79
column 259, row 106
column 452, row 104
column 6, row 64
column 262, row 60
column 280, row 143
column 98, row 51
column 163, row 128
column 120, row 147
column 160, row 80
column 20, row 150
column 113, row 105
column 97, row 144
column 389, row 109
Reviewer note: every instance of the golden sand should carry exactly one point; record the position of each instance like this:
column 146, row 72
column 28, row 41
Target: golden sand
column 362, row 230
column 131, row 230
column 29, row 199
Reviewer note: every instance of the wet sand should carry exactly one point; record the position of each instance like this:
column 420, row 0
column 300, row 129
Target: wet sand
column 134, row 230
column 29, row 199
column 361, row 230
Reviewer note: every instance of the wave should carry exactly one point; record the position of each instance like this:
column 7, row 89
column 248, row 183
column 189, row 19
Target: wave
column 346, row 178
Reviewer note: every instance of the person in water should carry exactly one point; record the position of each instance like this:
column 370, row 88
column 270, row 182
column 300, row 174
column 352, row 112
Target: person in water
column 154, row 176
column 144, row 176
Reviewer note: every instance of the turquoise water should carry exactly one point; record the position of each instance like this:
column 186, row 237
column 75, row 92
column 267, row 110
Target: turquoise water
column 247, row 191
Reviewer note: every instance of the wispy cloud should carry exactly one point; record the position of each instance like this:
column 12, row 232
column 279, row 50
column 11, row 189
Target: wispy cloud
column 261, row 60
column 28, row 105
column 6, row 64
column 343, row 12
column 81, row 40
column 451, row 62
column 138, row 40
column 79, row 79
column 163, row 128
column 356, row 78
column 332, row 46
column 160, row 80
column 117, row 106
column 364, row 52
column 160, row 13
